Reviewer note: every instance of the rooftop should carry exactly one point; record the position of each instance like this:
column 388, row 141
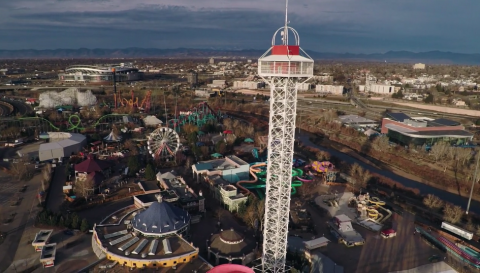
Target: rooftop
column 174, row 182
column 355, row 119
column 149, row 185
column 160, row 218
column 226, row 163
column 150, row 247
column 92, row 164
column 48, row 252
column 230, row 242
column 428, row 134
column 42, row 237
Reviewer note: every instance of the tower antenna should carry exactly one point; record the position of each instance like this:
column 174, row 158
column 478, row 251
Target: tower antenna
column 285, row 29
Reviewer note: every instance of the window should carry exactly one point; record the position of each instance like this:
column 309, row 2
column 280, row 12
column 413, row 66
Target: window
column 193, row 257
column 144, row 265
column 164, row 263
column 154, row 264
column 134, row 264
column 184, row 260
column 175, row 262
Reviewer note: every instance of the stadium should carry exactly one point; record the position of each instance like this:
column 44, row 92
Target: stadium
column 100, row 73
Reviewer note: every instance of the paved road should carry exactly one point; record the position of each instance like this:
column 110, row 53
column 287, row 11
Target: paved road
column 424, row 189
column 55, row 196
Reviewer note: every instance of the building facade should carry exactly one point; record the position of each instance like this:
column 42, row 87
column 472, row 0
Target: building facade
column 403, row 129
column 329, row 89
column 100, row 73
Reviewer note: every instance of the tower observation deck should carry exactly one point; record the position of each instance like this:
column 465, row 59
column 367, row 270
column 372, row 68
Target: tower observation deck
column 283, row 67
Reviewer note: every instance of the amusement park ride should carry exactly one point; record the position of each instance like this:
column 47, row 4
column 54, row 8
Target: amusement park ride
column 133, row 102
column 283, row 70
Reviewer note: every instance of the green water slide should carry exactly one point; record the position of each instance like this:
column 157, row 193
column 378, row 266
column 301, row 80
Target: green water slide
column 295, row 185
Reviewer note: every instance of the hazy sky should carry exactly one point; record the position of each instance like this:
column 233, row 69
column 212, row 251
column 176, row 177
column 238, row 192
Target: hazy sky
column 358, row 26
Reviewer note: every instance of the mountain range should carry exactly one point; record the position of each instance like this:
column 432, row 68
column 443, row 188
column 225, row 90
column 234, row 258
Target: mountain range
column 430, row 57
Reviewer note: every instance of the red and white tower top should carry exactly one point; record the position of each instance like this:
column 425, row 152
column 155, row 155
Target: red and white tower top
column 285, row 60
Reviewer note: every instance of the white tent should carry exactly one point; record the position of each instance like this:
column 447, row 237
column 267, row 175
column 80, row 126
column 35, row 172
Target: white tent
column 112, row 137
column 152, row 121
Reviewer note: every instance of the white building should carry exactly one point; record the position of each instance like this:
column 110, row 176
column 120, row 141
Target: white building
column 247, row 85
column 211, row 61
column 218, row 84
column 419, row 66
column 304, row 86
column 329, row 89
column 382, row 89
column 325, row 77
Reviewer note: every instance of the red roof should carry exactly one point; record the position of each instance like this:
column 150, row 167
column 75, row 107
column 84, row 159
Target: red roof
column 388, row 231
column 92, row 165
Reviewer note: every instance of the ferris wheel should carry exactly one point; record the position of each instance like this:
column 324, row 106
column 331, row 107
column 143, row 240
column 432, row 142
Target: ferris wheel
column 163, row 143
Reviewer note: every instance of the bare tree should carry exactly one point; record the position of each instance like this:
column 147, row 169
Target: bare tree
column 260, row 212
column 84, row 187
column 364, row 177
column 452, row 213
column 381, row 144
column 464, row 155
column 439, row 149
column 432, row 201
column 19, row 170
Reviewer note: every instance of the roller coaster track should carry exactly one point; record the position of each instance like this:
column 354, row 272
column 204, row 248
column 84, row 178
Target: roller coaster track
column 74, row 121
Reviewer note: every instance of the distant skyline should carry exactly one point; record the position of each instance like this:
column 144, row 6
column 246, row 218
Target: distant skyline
column 356, row 26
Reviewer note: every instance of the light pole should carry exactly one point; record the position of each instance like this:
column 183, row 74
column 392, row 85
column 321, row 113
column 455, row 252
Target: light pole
column 473, row 184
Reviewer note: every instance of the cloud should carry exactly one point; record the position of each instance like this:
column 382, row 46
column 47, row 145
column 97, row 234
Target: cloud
column 326, row 25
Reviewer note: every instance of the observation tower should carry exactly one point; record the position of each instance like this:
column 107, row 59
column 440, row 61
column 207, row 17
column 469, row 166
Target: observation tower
column 283, row 67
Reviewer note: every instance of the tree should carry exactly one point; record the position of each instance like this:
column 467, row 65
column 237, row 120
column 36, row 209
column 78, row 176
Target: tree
column 432, row 201
column 221, row 147
column 133, row 165
column 75, row 221
column 381, row 144
column 131, row 146
column 61, row 222
column 429, row 99
column 84, row 227
column 439, row 149
column 452, row 213
column 150, row 173
column 19, row 170
column 83, row 187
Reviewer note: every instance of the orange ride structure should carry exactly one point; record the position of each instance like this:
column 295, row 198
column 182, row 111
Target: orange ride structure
column 254, row 170
column 133, row 102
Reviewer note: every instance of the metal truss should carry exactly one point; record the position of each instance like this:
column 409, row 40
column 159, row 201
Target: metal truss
column 281, row 137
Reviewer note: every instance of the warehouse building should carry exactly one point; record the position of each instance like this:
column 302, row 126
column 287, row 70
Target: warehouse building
column 61, row 145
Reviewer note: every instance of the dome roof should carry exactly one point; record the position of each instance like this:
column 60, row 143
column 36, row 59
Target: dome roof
column 231, row 243
column 231, row 236
column 160, row 218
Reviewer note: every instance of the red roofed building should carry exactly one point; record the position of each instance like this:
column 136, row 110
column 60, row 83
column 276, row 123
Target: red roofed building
column 93, row 168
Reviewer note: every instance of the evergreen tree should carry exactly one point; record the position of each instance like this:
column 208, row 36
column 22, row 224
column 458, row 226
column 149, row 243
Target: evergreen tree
column 75, row 221
column 84, row 227
column 133, row 165
column 150, row 173
column 61, row 222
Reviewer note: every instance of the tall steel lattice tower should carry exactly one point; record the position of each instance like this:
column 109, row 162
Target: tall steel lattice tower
column 283, row 68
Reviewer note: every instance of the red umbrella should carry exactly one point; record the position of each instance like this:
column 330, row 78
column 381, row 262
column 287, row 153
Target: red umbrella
column 227, row 132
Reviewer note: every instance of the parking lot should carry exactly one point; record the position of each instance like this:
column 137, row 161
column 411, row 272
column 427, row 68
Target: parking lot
column 405, row 251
